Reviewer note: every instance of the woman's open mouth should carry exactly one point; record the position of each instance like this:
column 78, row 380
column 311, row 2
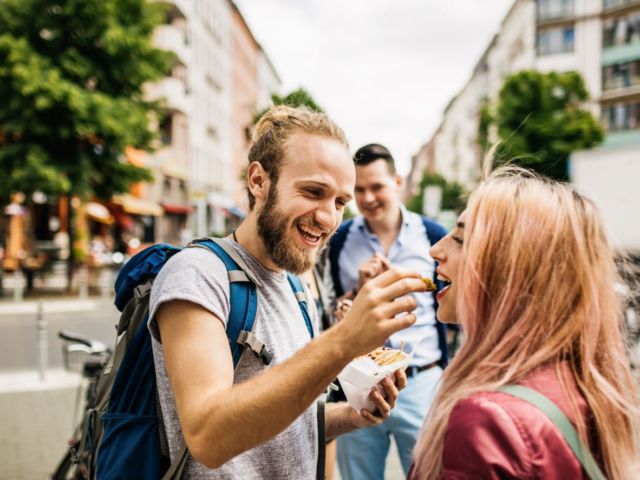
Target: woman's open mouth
column 447, row 285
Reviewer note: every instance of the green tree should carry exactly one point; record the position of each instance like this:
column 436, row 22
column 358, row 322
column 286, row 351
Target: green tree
column 297, row 98
column 453, row 194
column 539, row 121
column 71, row 77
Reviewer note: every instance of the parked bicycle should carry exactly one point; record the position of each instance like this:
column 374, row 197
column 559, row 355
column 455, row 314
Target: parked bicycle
column 87, row 357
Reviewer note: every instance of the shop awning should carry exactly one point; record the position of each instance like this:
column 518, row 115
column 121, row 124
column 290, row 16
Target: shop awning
column 137, row 205
column 98, row 212
column 177, row 208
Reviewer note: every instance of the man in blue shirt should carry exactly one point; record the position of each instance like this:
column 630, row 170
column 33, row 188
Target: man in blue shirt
column 386, row 233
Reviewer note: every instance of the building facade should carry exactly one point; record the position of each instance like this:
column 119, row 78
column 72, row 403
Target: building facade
column 210, row 98
column 598, row 38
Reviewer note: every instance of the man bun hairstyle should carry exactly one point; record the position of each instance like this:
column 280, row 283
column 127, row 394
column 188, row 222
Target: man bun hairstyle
column 276, row 126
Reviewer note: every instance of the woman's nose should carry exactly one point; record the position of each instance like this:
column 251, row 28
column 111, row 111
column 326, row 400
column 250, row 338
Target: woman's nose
column 436, row 252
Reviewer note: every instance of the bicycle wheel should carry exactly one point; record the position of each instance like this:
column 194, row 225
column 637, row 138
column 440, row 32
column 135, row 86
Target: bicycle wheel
column 65, row 468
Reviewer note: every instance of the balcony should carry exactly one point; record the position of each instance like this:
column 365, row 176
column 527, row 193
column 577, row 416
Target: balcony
column 174, row 39
column 555, row 11
column 173, row 162
column 621, row 116
column 617, row 5
column 621, row 80
column 620, row 54
column 174, row 91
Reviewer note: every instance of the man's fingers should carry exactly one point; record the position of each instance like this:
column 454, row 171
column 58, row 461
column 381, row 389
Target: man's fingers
column 403, row 287
column 390, row 390
column 393, row 275
column 386, row 264
column 399, row 323
column 401, row 379
column 370, row 417
column 404, row 304
column 382, row 406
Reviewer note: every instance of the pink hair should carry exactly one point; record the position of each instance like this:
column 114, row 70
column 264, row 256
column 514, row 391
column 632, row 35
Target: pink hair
column 536, row 287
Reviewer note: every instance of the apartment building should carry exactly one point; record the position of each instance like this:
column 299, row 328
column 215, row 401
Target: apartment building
column 598, row 38
column 210, row 97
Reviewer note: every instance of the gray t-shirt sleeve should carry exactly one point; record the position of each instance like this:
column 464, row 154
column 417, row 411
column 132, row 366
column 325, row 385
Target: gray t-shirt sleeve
column 195, row 275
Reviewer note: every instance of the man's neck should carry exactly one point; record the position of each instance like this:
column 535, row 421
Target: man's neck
column 247, row 236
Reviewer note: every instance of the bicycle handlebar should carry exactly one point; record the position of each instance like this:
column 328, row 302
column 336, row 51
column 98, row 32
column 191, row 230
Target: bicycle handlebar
column 94, row 345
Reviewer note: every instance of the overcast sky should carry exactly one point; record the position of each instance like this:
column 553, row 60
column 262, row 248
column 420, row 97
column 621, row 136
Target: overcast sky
column 383, row 69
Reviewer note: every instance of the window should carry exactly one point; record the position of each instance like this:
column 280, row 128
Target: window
column 621, row 30
column 166, row 130
column 555, row 40
column 617, row 3
column 550, row 9
column 621, row 75
column 621, row 116
column 166, row 189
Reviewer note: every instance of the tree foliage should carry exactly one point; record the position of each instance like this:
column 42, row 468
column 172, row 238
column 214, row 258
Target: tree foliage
column 297, row 98
column 71, row 78
column 453, row 194
column 539, row 121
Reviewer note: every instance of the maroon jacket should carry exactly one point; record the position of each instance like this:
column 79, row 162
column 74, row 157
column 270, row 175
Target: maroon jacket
column 494, row 435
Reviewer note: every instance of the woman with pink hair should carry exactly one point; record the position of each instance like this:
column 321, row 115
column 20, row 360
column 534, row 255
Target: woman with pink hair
column 531, row 280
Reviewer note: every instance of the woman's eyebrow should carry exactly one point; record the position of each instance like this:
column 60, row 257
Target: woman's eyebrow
column 460, row 224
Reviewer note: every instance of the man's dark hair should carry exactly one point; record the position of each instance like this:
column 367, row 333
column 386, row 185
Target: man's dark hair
column 373, row 152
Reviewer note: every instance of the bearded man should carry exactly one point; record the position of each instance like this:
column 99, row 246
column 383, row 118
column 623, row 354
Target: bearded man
column 259, row 421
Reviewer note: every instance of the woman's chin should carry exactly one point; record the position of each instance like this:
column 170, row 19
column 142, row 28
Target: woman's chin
column 448, row 319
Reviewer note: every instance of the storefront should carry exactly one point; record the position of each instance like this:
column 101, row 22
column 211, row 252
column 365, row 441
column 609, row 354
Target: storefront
column 135, row 220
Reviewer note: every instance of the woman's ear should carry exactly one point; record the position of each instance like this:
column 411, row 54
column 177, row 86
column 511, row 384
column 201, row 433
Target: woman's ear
column 258, row 181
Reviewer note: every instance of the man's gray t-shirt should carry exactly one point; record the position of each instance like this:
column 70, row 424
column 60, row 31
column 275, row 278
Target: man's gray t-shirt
column 199, row 276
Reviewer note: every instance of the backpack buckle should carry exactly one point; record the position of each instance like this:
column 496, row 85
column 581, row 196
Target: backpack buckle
column 249, row 339
column 142, row 290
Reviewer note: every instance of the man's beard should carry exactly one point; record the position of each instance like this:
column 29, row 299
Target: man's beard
column 272, row 228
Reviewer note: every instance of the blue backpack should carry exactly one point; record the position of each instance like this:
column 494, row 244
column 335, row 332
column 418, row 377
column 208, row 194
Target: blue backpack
column 122, row 434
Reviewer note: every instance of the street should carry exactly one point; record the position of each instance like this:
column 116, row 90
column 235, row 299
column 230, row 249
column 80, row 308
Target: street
column 20, row 339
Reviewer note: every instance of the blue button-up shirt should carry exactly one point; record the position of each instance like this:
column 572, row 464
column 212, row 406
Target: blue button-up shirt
column 410, row 250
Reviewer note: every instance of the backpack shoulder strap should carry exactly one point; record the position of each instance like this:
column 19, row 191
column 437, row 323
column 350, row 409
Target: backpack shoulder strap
column 335, row 247
column 560, row 420
column 243, row 300
column 435, row 232
column 301, row 297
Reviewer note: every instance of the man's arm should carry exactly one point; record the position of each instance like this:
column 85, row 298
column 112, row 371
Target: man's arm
column 200, row 368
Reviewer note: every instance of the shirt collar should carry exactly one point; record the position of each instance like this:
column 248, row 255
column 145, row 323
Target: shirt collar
column 361, row 225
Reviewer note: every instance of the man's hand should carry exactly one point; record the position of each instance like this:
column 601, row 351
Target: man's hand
column 372, row 268
column 343, row 307
column 342, row 418
column 384, row 402
column 381, row 308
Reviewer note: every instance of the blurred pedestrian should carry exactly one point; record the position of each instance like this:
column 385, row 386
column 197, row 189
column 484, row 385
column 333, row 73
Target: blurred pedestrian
column 532, row 283
column 386, row 234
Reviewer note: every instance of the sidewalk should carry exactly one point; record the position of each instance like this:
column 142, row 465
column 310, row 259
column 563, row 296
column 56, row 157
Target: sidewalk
column 49, row 305
column 35, row 421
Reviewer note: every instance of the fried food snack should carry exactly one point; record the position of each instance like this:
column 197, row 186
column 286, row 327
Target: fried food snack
column 386, row 356
column 431, row 286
